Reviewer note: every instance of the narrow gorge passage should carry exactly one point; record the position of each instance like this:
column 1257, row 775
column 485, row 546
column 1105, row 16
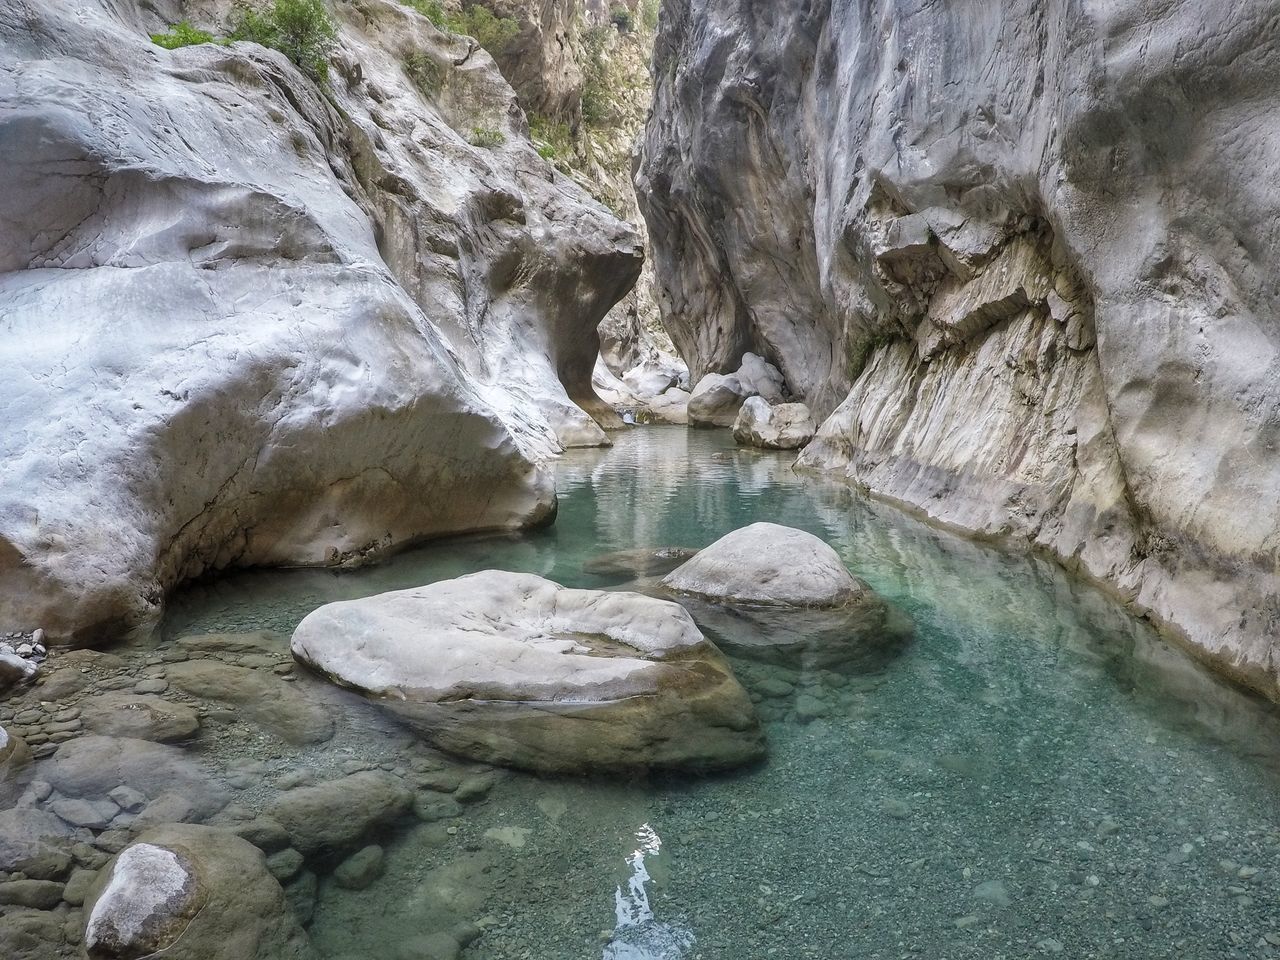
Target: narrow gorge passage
column 638, row 480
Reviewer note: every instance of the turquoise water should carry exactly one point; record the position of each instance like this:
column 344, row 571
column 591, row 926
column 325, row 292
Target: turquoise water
column 1035, row 773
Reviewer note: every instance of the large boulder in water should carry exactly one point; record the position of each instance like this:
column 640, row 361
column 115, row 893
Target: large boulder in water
column 787, row 426
column 510, row 668
column 203, row 887
column 768, row 563
column 778, row 594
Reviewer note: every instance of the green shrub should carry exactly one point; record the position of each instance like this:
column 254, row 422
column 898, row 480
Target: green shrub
column 425, row 73
column 553, row 141
column 490, row 31
column 430, row 9
column 300, row 29
column 649, row 14
column 487, row 137
column 182, row 35
column 620, row 17
column 596, row 108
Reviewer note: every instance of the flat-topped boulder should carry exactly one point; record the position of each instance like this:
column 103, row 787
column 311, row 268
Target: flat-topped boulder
column 774, row 593
column 767, row 563
column 513, row 669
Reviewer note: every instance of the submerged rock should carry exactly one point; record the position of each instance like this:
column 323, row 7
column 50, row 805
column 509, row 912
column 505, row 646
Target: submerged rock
column 513, row 669
column 202, row 886
column 786, row 426
column 332, row 817
column 642, row 562
column 141, row 717
column 261, row 697
column 91, row 767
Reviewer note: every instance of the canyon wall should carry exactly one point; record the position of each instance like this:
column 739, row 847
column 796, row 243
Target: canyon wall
column 251, row 318
column 1018, row 252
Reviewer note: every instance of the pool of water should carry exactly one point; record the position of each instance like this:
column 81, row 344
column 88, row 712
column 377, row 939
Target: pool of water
column 1035, row 773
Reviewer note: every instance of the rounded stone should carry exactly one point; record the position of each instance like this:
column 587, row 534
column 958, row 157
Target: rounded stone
column 766, row 563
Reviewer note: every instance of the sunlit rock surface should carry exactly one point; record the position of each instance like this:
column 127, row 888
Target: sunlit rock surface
column 514, row 669
column 1023, row 250
column 248, row 322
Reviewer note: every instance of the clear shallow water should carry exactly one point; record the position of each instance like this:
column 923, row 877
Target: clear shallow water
column 1036, row 773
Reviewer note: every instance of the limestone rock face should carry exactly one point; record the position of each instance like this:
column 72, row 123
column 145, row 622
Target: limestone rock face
column 786, row 426
column 1037, row 312
column 202, row 886
column 514, row 669
column 247, row 322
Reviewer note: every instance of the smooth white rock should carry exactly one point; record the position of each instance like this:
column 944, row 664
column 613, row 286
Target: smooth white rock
column 766, row 563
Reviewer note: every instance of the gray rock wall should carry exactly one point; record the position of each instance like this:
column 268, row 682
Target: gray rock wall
column 246, row 320
column 1022, row 251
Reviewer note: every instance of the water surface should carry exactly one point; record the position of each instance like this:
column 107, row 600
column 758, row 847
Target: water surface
column 1036, row 773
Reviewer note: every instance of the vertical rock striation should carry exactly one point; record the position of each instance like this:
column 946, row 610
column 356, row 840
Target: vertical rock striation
column 250, row 319
column 1019, row 252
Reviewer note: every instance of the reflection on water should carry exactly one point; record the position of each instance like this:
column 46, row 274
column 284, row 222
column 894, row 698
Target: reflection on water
column 639, row 935
column 1033, row 773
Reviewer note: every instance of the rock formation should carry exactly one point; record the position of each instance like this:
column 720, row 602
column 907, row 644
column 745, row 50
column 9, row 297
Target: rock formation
column 201, row 890
column 1023, row 251
column 778, row 594
column 786, row 426
column 513, row 669
column 251, row 320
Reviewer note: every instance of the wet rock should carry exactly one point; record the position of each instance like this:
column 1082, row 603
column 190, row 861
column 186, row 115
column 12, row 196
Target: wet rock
column 261, row 697
column 90, row 767
column 432, row 946
column 79, row 885
column 94, row 814
column 513, row 669
column 430, row 808
column 36, row 843
column 260, row 641
column 334, row 816
column 475, row 788
column 30, row 935
column 360, row 869
column 263, row 832
column 787, row 426
column 37, row 894
column 202, row 885
column 285, row 864
column 301, row 895
column 139, row 717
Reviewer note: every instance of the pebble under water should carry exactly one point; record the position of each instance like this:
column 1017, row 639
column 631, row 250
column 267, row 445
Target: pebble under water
column 1035, row 773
